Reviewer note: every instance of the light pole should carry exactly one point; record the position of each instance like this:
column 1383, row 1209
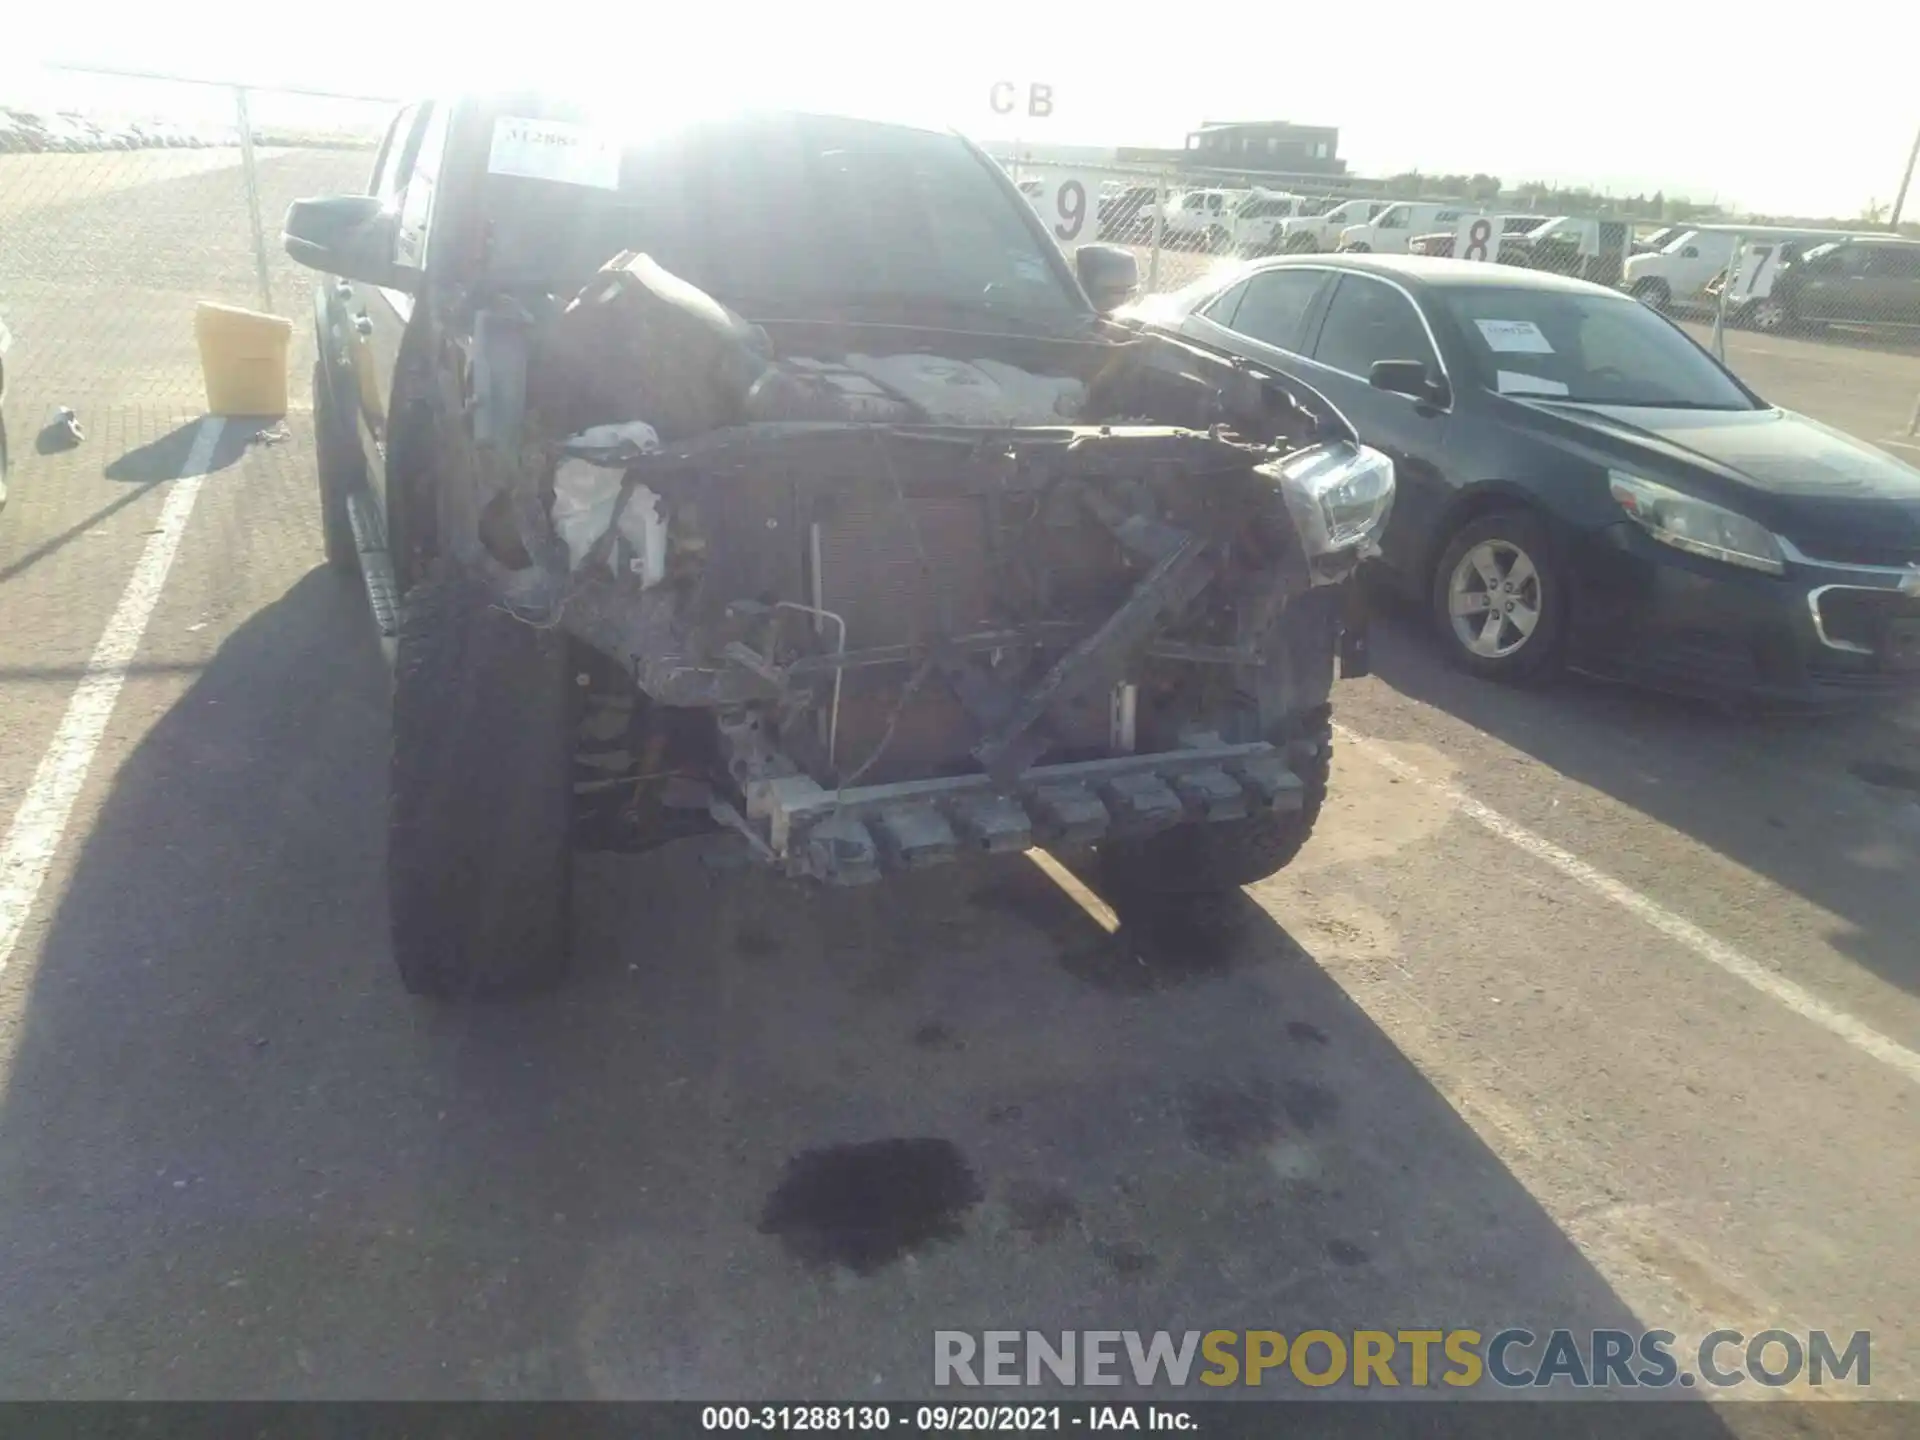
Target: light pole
column 1893, row 222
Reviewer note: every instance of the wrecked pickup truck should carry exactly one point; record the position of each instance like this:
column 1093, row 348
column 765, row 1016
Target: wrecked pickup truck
column 778, row 476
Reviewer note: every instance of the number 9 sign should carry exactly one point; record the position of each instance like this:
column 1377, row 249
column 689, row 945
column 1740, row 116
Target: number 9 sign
column 1478, row 238
column 1069, row 207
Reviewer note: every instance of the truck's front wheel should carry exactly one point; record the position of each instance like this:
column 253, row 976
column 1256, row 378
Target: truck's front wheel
column 479, row 795
column 1226, row 854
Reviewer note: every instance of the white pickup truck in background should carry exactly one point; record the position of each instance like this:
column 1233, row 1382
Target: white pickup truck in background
column 1388, row 232
column 1310, row 233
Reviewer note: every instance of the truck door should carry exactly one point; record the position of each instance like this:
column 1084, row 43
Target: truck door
column 1888, row 291
column 351, row 300
column 1830, row 284
column 379, row 315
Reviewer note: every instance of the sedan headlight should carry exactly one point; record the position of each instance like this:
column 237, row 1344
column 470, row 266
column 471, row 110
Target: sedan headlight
column 1695, row 525
column 1338, row 495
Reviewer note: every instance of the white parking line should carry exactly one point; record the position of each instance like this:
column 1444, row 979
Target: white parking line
column 34, row 837
column 1742, row 967
column 1903, row 444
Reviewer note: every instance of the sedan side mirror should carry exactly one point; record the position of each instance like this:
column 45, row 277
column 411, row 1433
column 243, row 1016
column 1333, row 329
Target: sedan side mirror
column 1410, row 378
column 351, row 236
column 1108, row 273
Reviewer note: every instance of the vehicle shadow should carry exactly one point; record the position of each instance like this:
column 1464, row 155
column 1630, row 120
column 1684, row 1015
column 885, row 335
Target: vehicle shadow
column 1822, row 806
column 766, row 1141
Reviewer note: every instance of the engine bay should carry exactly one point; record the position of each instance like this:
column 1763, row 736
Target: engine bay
column 889, row 556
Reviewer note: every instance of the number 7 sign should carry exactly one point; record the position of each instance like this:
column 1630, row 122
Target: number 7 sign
column 1478, row 238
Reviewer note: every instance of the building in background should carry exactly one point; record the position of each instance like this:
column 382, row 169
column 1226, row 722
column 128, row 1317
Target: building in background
column 1267, row 145
column 1274, row 147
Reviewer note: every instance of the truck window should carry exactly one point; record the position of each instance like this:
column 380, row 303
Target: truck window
column 1896, row 262
column 416, row 204
column 800, row 217
column 396, row 154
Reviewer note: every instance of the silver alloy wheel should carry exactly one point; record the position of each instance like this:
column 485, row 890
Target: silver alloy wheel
column 1768, row 315
column 1493, row 598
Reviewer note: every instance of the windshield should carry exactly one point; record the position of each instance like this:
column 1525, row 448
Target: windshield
column 1597, row 349
column 803, row 217
column 1680, row 242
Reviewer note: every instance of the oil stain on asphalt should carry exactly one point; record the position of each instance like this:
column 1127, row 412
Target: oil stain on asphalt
column 864, row 1206
column 1224, row 1121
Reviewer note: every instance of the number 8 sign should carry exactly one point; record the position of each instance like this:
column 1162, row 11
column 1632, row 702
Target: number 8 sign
column 1069, row 205
column 1478, row 238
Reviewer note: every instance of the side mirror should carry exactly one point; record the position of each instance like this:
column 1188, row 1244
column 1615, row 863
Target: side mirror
column 1411, row 379
column 346, row 235
column 1108, row 273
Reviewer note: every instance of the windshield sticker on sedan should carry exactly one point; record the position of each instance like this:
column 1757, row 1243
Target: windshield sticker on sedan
column 553, row 150
column 1515, row 337
column 1512, row 382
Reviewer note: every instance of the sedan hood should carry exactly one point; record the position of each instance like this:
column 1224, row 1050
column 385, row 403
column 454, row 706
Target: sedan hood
column 1834, row 496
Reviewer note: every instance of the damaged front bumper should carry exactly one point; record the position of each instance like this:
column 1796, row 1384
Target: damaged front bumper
column 848, row 837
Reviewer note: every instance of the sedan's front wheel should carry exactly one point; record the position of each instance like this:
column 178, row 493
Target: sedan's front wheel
column 1498, row 599
column 1769, row 315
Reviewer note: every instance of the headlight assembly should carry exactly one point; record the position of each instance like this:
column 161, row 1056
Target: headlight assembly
column 1696, row 526
column 1338, row 495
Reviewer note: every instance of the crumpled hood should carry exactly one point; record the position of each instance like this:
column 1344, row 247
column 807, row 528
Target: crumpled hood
column 1814, row 484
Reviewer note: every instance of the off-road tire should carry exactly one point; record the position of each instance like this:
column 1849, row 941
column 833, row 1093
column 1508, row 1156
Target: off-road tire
column 1207, row 859
column 1655, row 294
column 341, row 472
column 479, row 866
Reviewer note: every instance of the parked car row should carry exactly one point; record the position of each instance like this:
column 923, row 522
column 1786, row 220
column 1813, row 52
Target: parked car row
column 1581, row 484
column 1689, row 257
column 1841, row 282
column 22, row 132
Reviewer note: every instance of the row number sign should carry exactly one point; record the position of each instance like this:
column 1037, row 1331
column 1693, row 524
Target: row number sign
column 1478, row 238
column 1753, row 273
column 1069, row 206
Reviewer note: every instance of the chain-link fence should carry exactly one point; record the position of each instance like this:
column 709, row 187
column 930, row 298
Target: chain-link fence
column 125, row 200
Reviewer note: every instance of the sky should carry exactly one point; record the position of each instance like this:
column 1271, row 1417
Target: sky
column 1772, row 107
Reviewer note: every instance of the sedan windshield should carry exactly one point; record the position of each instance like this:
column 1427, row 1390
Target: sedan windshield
column 1586, row 348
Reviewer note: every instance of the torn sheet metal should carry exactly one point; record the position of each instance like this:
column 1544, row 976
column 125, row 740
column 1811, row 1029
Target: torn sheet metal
column 588, row 487
column 975, row 392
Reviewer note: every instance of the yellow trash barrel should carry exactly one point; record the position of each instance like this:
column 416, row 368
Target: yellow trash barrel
column 243, row 355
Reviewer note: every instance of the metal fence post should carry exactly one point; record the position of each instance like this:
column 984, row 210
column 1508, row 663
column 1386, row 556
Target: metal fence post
column 253, row 197
column 1159, row 230
column 1720, row 307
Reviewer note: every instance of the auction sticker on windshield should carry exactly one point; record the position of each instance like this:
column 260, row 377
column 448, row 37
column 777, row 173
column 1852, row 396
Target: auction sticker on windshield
column 1515, row 337
column 1512, row 382
column 553, row 150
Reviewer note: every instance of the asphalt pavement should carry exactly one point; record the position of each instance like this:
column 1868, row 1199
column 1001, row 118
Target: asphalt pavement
column 1583, row 1008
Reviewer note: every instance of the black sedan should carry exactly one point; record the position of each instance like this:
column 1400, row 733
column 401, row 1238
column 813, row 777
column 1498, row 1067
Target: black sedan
column 1579, row 482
